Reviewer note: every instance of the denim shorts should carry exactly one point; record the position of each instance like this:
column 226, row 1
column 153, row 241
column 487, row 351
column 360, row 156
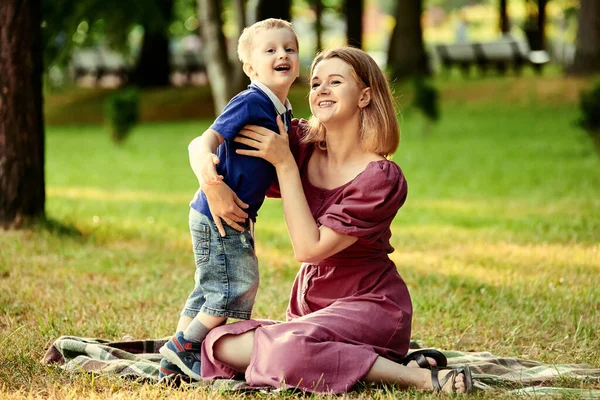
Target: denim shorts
column 226, row 278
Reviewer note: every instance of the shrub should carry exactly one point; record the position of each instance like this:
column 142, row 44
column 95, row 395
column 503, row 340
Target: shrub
column 589, row 102
column 427, row 100
column 121, row 113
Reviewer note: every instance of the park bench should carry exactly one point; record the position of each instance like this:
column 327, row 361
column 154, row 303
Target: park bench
column 499, row 54
column 98, row 65
column 187, row 64
column 103, row 67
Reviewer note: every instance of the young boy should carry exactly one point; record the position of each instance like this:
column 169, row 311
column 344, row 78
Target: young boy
column 226, row 278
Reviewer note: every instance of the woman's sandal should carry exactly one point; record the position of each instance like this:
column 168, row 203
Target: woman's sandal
column 454, row 372
column 420, row 357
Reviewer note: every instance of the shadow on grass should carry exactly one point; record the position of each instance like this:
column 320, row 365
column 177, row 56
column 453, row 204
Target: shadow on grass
column 58, row 228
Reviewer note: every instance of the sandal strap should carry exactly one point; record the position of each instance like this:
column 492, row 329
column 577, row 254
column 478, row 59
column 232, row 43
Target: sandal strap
column 421, row 356
column 438, row 384
column 421, row 361
column 451, row 375
column 435, row 383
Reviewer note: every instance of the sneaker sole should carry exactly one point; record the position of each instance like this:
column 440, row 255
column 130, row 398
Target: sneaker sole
column 172, row 357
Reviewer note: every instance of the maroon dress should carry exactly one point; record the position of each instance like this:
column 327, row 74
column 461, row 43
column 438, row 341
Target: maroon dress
column 344, row 311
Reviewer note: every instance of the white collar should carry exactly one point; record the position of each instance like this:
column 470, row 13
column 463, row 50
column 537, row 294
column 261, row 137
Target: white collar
column 279, row 106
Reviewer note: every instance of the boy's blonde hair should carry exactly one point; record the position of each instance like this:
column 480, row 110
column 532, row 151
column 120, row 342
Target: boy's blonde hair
column 379, row 131
column 245, row 41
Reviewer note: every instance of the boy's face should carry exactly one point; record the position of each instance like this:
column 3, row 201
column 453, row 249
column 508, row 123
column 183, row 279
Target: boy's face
column 274, row 59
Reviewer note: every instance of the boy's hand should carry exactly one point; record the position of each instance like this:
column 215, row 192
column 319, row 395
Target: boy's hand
column 207, row 173
column 225, row 205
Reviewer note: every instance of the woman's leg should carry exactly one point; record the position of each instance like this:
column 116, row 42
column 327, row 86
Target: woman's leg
column 235, row 350
column 387, row 371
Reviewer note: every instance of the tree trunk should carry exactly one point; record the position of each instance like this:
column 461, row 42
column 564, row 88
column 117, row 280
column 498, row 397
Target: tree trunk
column 587, row 54
column 354, row 22
column 218, row 67
column 535, row 24
column 22, row 186
column 541, row 23
column 319, row 25
column 239, row 78
column 273, row 9
column 504, row 20
column 406, row 54
column 152, row 68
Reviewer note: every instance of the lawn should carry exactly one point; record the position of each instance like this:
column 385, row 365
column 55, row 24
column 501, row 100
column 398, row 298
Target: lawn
column 498, row 241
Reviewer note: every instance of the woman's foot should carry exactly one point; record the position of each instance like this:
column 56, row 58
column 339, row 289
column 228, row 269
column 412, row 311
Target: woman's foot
column 425, row 358
column 414, row 364
column 451, row 380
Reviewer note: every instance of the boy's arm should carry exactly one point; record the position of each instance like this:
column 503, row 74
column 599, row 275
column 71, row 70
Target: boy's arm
column 203, row 158
column 222, row 201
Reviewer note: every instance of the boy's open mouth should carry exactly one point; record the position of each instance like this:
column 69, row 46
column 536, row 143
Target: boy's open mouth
column 282, row 68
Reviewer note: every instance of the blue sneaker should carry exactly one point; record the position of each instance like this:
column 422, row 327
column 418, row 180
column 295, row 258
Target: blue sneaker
column 167, row 369
column 183, row 353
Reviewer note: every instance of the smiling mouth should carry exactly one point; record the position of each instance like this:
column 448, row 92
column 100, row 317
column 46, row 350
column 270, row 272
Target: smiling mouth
column 326, row 103
column 282, row 68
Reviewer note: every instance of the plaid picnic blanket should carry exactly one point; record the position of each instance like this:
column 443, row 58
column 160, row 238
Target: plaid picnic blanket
column 139, row 359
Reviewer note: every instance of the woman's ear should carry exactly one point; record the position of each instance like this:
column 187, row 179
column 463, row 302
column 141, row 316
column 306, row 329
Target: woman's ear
column 365, row 98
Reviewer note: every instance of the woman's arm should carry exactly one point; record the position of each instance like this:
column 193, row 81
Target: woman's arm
column 310, row 242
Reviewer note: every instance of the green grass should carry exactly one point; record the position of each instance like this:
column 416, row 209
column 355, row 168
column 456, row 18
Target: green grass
column 498, row 241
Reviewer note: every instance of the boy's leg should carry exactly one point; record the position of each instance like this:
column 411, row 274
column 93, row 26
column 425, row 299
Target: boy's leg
column 201, row 237
column 227, row 278
column 183, row 349
column 184, row 322
column 199, row 327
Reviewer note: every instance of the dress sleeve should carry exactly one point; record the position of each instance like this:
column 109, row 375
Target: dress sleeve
column 299, row 151
column 370, row 203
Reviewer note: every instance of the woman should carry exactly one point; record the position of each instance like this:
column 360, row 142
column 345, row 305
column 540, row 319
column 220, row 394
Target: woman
column 350, row 312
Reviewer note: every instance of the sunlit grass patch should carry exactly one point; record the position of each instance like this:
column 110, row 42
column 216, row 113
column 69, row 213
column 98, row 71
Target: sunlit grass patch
column 92, row 193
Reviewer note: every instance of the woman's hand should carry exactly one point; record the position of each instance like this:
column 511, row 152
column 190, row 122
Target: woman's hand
column 225, row 205
column 270, row 146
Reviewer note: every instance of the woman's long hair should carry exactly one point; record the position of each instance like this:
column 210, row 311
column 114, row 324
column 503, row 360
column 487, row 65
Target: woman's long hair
column 379, row 131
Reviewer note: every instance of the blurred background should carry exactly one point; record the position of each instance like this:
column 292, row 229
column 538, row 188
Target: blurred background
column 159, row 43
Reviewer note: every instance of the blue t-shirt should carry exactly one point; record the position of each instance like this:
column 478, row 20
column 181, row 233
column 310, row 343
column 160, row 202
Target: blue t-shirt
column 249, row 177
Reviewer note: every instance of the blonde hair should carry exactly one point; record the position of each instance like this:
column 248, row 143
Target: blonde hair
column 245, row 41
column 379, row 131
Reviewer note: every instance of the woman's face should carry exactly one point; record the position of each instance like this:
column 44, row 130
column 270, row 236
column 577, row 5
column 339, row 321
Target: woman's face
column 334, row 93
